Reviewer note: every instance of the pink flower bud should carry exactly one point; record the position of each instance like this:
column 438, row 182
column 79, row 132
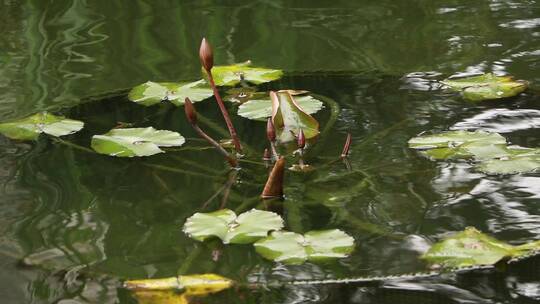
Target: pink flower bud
column 301, row 139
column 191, row 114
column 206, row 56
column 270, row 130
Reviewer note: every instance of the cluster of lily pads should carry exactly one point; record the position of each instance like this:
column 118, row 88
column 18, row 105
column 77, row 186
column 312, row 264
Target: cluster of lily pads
column 490, row 151
column 130, row 142
column 253, row 227
column 468, row 248
column 288, row 111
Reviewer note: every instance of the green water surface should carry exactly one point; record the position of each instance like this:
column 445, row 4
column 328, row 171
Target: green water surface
column 73, row 224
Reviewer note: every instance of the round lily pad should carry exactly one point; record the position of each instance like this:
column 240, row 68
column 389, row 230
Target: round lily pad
column 131, row 142
column 293, row 248
column 30, row 127
column 151, row 93
column 224, row 224
column 230, row 75
column 261, row 109
column 460, row 144
column 487, row 86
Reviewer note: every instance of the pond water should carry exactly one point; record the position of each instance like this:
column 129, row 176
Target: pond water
column 74, row 224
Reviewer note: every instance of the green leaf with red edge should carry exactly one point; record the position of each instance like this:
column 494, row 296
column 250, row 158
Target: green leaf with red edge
column 288, row 118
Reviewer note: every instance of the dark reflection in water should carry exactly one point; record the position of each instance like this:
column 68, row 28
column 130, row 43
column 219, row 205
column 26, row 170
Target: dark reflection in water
column 74, row 223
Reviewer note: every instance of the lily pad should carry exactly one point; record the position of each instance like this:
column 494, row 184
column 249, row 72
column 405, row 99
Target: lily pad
column 518, row 160
column 294, row 248
column 230, row 75
column 460, row 144
column 261, row 109
column 288, row 118
column 487, row 86
column 131, row 142
column 151, row 93
column 224, row 224
column 471, row 247
column 30, row 127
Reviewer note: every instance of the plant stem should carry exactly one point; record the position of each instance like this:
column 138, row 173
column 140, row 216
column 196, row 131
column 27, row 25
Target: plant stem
column 346, row 146
column 232, row 161
column 275, row 155
column 73, row 145
column 225, row 114
column 207, row 122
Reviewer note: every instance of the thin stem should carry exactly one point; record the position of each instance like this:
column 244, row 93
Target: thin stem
column 275, row 155
column 225, row 113
column 232, row 161
column 346, row 146
column 73, row 145
column 207, row 122
column 301, row 158
column 182, row 171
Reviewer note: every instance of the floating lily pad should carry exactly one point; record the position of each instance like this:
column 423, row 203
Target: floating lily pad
column 487, row 86
column 294, row 248
column 230, row 75
column 261, row 109
column 490, row 149
column 151, row 93
column 177, row 289
column 518, row 160
column 471, row 247
column 131, row 142
column 460, row 144
column 224, row 224
column 288, row 118
column 30, row 127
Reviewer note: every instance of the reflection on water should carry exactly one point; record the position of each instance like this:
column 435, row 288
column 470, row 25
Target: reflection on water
column 75, row 223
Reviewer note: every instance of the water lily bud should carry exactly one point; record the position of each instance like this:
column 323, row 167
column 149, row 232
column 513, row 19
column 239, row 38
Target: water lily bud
column 270, row 130
column 191, row 114
column 206, row 56
column 301, row 139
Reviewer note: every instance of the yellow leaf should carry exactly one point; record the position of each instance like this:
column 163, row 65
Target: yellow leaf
column 203, row 284
column 160, row 297
column 189, row 285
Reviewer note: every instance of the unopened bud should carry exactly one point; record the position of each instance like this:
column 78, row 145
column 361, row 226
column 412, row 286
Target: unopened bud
column 301, row 139
column 206, row 56
column 270, row 130
column 191, row 114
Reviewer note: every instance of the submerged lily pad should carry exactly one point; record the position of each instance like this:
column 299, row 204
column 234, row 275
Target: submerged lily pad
column 230, row 75
column 294, row 248
column 30, row 127
column 151, row 93
column 224, row 224
column 460, row 144
column 471, row 247
column 517, row 160
column 288, row 118
column 487, row 86
column 490, row 149
column 131, row 142
column 261, row 109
